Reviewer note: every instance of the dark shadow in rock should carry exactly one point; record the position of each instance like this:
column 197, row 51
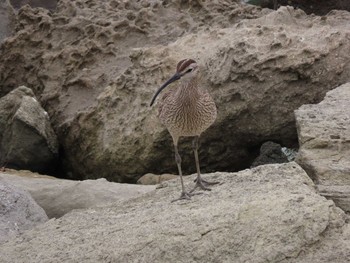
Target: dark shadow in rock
column 317, row 7
column 270, row 152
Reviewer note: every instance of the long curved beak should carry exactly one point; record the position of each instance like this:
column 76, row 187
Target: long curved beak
column 171, row 80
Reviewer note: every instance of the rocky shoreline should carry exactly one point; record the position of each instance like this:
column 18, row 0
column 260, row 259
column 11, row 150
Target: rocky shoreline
column 76, row 78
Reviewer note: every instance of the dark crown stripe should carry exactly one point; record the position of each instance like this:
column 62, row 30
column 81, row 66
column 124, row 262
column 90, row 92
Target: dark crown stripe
column 184, row 64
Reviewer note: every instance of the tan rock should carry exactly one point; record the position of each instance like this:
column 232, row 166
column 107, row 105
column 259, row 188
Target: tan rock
column 96, row 65
column 324, row 136
column 340, row 194
column 151, row 179
column 271, row 213
column 58, row 197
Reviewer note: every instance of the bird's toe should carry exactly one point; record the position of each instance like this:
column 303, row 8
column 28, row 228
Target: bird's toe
column 203, row 184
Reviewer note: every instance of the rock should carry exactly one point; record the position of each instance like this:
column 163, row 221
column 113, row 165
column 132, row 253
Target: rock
column 6, row 20
column 27, row 140
column 151, row 179
column 98, row 88
column 18, row 212
column 272, row 4
column 270, row 152
column 324, row 136
column 271, row 213
column 340, row 194
column 48, row 4
column 58, row 197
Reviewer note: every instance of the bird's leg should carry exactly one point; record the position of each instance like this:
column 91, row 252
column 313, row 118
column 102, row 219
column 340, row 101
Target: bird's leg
column 199, row 181
column 184, row 194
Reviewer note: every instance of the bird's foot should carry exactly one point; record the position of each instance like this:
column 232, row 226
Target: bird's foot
column 185, row 196
column 206, row 182
column 203, row 184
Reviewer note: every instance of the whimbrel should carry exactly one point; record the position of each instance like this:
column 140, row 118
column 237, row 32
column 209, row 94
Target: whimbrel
column 186, row 110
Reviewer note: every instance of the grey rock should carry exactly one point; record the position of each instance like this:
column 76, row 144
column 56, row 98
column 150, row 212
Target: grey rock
column 6, row 19
column 270, row 152
column 27, row 140
column 271, row 213
column 324, row 136
column 18, row 212
column 58, row 197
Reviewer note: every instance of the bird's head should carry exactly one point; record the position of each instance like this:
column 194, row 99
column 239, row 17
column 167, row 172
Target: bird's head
column 186, row 70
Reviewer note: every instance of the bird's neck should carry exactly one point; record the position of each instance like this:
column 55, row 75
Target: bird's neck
column 188, row 92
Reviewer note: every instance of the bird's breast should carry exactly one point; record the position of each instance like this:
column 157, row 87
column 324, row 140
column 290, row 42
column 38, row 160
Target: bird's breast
column 188, row 118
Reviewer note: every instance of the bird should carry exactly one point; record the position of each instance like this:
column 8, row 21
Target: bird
column 186, row 110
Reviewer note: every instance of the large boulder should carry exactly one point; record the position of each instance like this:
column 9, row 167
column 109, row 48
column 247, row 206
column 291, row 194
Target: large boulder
column 248, row 70
column 58, row 197
column 18, row 212
column 97, row 89
column 324, row 136
column 271, row 213
column 27, row 140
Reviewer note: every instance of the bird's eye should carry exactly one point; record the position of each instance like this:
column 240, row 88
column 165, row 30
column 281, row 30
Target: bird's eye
column 189, row 70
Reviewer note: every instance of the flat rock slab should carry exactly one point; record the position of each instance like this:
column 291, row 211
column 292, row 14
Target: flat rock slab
column 58, row 196
column 271, row 213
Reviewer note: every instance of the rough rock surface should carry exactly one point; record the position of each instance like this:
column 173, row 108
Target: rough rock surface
column 97, row 89
column 48, row 4
column 58, row 197
column 324, row 136
column 18, row 212
column 340, row 194
column 151, row 179
column 271, row 213
column 27, row 140
column 270, row 152
column 5, row 20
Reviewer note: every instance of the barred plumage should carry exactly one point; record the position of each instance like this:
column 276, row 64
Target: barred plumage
column 186, row 110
